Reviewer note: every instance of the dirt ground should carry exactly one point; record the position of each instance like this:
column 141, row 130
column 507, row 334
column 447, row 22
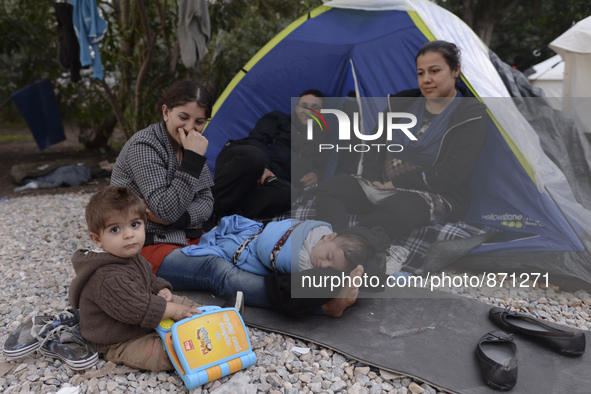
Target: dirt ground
column 25, row 150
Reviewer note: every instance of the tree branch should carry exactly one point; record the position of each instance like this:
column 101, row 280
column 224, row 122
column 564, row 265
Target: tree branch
column 174, row 56
column 115, row 107
column 162, row 17
column 150, row 39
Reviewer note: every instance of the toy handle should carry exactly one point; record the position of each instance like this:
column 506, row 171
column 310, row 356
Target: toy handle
column 207, row 308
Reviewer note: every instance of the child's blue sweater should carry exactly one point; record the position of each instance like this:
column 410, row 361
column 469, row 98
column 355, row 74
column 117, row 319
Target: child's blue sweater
column 224, row 240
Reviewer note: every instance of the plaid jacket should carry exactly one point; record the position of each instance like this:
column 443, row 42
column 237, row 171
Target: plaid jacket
column 177, row 194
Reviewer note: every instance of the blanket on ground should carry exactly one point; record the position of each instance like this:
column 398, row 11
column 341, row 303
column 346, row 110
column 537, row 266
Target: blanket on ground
column 418, row 243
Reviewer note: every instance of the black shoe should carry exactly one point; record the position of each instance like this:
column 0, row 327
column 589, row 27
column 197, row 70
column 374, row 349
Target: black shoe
column 565, row 342
column 237, row 301
column 497, row 357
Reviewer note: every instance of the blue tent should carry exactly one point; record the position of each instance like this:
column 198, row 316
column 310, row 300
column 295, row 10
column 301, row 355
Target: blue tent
column 370, row 46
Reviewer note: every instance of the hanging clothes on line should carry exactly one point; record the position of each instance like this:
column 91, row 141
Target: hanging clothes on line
column 69, row 48
column 39, row 107
column 194, row 31
column 90, row 29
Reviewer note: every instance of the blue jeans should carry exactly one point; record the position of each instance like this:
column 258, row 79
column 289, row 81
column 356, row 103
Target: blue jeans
column 214, row 274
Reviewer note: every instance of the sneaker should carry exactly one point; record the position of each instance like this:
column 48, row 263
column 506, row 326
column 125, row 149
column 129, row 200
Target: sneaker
column 67, row 344
column 26, row 338
column 237, row 302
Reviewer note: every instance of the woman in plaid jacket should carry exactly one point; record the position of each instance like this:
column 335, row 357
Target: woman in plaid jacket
column 164, row 164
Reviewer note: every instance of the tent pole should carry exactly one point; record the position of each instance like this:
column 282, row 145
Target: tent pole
column 361, row 124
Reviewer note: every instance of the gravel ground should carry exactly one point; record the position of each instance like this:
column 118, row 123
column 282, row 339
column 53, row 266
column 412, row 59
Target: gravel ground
column 38, row 237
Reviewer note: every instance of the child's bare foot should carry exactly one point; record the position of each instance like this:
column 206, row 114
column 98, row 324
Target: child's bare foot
column 346, row 296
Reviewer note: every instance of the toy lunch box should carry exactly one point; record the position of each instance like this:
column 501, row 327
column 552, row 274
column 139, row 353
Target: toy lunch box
column 207, row 346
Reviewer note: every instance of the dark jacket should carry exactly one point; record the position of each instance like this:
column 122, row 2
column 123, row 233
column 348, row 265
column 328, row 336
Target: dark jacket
column 116, row 297
column 281, row 139
column 460, row 148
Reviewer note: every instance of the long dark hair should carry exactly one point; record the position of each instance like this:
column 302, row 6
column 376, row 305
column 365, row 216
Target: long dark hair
column 183, row 92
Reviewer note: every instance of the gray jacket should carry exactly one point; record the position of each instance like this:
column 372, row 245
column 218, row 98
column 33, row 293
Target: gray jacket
column 177, row 194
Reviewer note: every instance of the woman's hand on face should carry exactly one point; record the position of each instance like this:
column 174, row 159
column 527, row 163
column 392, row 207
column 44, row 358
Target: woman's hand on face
column 193, row 141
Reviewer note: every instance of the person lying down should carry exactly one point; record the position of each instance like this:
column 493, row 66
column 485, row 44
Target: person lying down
column 286, row 248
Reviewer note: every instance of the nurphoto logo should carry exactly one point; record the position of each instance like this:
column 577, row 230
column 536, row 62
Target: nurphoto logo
column 392, row 125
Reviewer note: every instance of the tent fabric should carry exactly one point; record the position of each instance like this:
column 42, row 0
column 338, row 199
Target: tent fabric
column 551, row 69
column 565, row 144
column 560, row 138
column 549, row 76
column 576, row 39
column 516, row 186
column 38, row 105
column 574, row 46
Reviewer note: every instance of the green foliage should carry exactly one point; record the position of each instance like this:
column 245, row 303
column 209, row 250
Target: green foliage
column 533, row 25
column 15, row 138
column 136, row 52
column 142, row 53
column 26, row 56
column 523, row 26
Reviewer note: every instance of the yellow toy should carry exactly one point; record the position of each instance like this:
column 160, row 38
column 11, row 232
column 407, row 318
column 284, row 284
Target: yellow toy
column 207, row 346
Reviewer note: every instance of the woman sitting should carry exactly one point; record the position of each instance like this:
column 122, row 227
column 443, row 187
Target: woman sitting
column 429, row 179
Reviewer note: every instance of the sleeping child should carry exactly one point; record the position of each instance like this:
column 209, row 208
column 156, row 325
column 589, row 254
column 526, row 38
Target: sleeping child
column 284, row 251
column 287, row 247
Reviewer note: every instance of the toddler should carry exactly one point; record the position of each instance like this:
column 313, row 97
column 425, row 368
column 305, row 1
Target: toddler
column 121, row 302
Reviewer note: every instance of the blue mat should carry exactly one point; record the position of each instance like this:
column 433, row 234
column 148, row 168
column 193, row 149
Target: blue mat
column 39, row 107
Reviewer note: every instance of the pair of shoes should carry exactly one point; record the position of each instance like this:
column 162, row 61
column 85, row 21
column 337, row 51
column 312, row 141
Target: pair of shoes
column 26, row 338
column 67, row 344
column 564, row 342
column 237, row 302
column 497, row 357
column 497, row 352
